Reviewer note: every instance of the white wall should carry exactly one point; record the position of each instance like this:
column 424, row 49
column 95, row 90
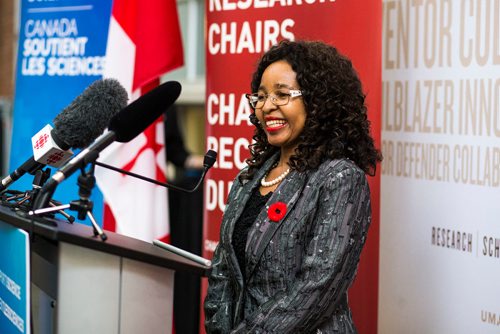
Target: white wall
column 440, row 198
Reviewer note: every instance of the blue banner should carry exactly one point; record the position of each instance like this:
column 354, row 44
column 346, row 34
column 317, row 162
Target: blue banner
column 62, row 47
column 14, row 280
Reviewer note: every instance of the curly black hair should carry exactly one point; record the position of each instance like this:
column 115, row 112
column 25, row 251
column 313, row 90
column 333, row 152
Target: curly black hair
column 336, row 125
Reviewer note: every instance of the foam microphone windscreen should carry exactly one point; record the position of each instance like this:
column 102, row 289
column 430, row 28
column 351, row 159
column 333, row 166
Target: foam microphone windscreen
column 141, row 113
column 80, row 123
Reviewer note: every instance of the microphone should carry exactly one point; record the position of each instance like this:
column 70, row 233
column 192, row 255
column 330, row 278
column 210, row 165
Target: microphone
column 76, row 126
column 208, row 161
column 123, row 127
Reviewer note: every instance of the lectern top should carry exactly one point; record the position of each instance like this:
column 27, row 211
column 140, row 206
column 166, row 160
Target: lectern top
column 55, row 230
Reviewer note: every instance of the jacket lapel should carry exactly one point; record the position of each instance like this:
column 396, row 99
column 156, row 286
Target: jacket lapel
column 239, row 202
column 262, row 232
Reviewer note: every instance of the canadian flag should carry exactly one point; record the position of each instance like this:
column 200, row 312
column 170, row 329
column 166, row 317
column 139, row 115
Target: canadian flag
column 144, row 42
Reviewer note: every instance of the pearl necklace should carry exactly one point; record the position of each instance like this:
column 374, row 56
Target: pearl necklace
column 277, row 180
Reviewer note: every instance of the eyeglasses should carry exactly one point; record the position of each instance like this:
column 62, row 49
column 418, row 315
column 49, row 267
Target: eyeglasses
column 278, row 98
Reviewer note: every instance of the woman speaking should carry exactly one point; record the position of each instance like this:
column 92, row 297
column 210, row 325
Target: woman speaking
column 297, row 216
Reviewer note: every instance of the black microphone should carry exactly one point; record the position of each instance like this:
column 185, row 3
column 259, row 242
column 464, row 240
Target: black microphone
column 208, row 162
column 123, row 127
column 76, row 126
column 209, row 159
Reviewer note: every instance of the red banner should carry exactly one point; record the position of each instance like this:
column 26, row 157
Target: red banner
column 238, row 32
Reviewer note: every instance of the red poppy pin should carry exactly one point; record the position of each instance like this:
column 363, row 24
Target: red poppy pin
column 277, row 211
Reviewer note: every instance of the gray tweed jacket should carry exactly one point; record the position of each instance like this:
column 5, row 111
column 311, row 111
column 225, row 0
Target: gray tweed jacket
column 298, row 269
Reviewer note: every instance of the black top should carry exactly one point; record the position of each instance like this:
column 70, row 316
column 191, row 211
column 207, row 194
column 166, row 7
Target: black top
column 254, row 205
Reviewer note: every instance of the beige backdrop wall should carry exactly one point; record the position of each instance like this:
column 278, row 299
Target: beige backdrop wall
column 440, row 198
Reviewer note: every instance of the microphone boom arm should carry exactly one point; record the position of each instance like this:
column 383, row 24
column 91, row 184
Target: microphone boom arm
column 207, row 164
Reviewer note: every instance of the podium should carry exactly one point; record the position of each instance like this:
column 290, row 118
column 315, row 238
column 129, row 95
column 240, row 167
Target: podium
column 80, row 284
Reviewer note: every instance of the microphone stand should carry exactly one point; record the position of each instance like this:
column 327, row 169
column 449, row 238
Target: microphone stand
column 83, row 206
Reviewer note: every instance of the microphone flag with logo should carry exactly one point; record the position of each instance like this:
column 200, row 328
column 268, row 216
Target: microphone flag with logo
column 46, row 150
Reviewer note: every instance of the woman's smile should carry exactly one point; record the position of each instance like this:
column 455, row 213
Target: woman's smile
column 274, row 124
